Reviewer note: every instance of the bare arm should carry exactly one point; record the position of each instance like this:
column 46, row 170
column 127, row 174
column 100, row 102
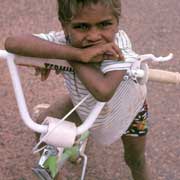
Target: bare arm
column 29, row 45
column 102, row 86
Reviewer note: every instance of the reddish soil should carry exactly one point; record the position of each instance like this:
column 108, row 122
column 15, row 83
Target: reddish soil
column 154, row 27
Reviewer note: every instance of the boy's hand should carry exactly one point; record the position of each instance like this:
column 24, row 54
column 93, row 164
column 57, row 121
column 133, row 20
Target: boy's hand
column 98, row 53
column 43, row 72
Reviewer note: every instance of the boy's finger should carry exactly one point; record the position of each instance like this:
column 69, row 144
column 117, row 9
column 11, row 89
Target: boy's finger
column 45, row 74
column 113, row 54
column 121, row 57
column 37, row 71
column 118, row 52
column 109, row 57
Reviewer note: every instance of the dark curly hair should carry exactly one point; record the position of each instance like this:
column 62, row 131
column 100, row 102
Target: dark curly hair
column 67, row 8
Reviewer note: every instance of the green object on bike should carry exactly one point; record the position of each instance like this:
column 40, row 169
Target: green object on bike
column 51, row 165
column 70, row 153
column 73, row 152
column 84, row 136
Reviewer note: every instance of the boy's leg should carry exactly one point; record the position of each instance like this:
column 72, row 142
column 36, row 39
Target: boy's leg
column 134, row 142
column 134, row 154
column 58, row 110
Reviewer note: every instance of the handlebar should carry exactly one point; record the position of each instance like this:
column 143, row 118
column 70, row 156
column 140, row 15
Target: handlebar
column 20, row 95
column 143, row 73
column 164, row 76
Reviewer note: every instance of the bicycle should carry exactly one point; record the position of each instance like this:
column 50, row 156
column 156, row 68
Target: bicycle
column 58, row 151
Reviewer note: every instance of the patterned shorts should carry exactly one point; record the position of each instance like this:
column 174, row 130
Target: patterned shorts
column 139, row 125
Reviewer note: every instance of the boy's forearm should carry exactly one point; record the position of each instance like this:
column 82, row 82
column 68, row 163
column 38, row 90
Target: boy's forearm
column 29, row 45
column 101, row 86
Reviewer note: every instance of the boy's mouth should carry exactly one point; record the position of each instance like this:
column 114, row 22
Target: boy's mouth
column 92, row 44
column 87, row 46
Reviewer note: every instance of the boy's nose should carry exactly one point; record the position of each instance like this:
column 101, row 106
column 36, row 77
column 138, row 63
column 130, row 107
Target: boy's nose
column 93, row 35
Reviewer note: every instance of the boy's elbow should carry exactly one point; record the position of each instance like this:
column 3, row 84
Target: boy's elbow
column 103, row 98
column 14, row 44
column 9, row 44
column 104, row 95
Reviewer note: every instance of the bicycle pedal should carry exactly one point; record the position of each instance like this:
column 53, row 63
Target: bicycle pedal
column 41, row 173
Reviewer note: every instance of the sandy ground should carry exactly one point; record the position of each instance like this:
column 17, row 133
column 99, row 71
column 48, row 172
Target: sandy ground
column 154, row 27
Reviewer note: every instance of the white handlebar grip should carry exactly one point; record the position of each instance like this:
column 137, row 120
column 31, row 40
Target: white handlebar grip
column 164, row 76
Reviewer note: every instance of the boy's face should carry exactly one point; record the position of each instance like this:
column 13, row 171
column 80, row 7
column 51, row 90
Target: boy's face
column 92, row 25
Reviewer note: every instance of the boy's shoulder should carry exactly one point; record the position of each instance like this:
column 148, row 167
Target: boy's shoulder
column 122, row 39
column 53, row 36
column 121, row 32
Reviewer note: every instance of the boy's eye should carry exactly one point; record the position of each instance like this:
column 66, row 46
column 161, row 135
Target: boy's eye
column 82, row 27
column 105, row 24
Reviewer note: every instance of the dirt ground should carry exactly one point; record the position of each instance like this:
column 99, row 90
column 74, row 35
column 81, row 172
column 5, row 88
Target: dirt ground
column 154, row 27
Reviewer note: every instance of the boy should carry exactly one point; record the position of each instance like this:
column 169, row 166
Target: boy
column 90, row 37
